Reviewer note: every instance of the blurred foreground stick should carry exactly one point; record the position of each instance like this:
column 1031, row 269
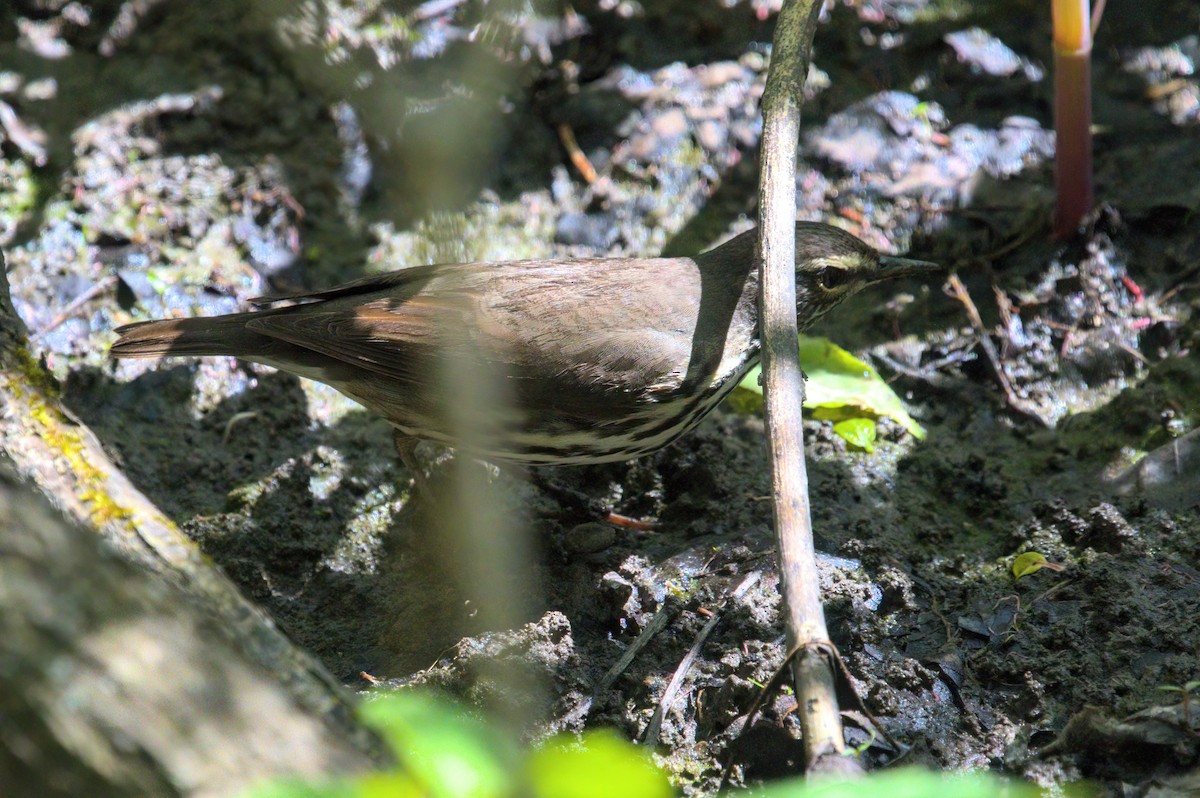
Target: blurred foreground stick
column 160, row 679
column 112, row 683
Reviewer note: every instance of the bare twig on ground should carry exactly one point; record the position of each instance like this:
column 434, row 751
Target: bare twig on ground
column 98, row 288
column 664, row 703
column 578, row 158
column 1014, row 402
column 659, row 622
column 928, row 374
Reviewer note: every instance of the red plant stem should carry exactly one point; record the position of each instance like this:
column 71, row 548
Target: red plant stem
column 1072, row 114
column 1073, row 140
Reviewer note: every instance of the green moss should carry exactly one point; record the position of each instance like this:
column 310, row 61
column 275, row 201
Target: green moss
column 690, row 156
column 60, row 435
column 33, row 372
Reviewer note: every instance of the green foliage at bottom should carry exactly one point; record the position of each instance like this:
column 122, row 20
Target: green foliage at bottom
column 908, row 782
column 444, row 752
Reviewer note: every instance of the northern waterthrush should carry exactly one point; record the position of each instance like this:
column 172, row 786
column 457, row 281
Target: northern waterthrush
column 601, row 359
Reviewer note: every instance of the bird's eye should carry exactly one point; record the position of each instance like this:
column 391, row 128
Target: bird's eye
column 832, row 277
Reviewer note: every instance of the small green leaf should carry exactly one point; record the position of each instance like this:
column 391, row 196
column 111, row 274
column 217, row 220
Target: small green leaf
column 840, row 383
column 858, row 432
column 599, row 766
column 1031, row 561
column 1028, row 563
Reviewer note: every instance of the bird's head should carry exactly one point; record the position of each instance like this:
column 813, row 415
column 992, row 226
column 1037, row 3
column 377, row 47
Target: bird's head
column 832, row 265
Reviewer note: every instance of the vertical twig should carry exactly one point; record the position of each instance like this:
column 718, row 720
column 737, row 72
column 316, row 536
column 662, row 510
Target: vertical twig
column 783, row 386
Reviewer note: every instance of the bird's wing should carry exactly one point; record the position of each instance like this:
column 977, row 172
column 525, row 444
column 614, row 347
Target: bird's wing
column 570, row 325
column 601, row 327
column 394, row 340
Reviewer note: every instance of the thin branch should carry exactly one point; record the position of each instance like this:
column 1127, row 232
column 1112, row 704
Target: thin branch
column 783, row 386
column 1072, row 115
column 578, row 157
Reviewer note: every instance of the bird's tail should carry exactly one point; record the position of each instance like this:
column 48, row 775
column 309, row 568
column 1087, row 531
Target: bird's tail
column 218, row 335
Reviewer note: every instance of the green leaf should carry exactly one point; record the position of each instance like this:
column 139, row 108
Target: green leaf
column 858, row 432
column 901, row 783
column 841, row 383
column 1032, row 562
column 1028, row 563
column 448, row 753
column 601, row 765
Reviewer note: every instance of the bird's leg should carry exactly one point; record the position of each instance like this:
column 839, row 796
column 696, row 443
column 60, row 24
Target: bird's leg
column 422, row 476
column 406, row 448
column 570, row 498
column 577, row 501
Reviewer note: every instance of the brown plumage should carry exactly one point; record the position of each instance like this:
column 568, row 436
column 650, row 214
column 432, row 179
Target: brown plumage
column 596, row 359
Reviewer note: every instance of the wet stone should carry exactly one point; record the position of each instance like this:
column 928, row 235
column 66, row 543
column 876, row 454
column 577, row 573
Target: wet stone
column 983, row 52
column 620, row 595
column 722, row 72
column 581, row 229
column 711, row 135
column 670, row 125
column 589, row 538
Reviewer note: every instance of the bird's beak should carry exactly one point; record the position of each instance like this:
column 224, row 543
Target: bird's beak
column 892, row 268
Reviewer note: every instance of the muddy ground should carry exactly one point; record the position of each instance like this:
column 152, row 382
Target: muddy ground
column 181, row 159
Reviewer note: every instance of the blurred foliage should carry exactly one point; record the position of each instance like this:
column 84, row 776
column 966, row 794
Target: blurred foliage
column 909, row 782
column 445, row 752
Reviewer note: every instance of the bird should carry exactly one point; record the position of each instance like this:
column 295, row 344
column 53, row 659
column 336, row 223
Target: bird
column 595, row 360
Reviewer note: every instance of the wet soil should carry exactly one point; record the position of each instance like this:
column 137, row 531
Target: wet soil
column 200, row 155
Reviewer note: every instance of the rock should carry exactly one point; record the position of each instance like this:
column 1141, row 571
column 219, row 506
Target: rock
column 589, row 538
